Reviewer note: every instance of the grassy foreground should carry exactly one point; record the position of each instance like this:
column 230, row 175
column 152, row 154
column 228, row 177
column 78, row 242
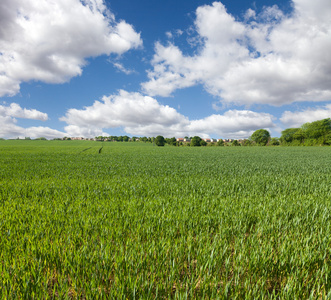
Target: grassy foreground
column 133, row 221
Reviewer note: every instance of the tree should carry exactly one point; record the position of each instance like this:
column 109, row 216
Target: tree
column 261, row 137
column 195, row 141
column 220, row 142
column 246, row 143
column 203, row 143
column 274, row 142
column 159, row 140
column 317, row 131
column 288, row 135
column 235, row 143
column 299, row 136
column 328, row 139
column 171, row 141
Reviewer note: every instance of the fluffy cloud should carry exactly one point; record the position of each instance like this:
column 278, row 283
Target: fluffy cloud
column 270, row 58
column 49, row 40
column 143, row 115
column 16, row 111
column 233, row 123
column 131, row 110
column 9, row 129
column 297, row 118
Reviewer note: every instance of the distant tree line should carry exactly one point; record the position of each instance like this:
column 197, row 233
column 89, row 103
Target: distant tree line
column 309, row 134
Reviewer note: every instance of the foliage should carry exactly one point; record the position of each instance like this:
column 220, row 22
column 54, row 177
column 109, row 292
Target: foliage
column 314, row 133
column 328, row 139
column 171, row 141
column 210, row 223
column 288, row 135
column 261, row 137
column 274, row 142
column 246, row 143
column 196, row 141
column 220, row 142
column 235, row 143
column 159, row 140
column 203, row 143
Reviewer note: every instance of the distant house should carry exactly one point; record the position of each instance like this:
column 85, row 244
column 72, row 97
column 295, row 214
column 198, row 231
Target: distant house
column 77, row 138
column 207, row 140
column 180, row 140
column 228, row 140
column 187, row 140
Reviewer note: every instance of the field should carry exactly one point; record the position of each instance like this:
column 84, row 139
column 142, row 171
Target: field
column 101, row 220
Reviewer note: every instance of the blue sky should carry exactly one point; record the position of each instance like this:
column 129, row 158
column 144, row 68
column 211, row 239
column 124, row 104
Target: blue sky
column 174, row 68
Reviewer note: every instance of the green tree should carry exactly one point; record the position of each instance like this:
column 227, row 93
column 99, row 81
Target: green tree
column 299, row 136
column 288, row 135
column 171, row 141
column 220, row 142
column 246, row 143
column 261, row 137
column 159, row 140
column 328, row 139
column 317, row 131
column 196, row 141
column 203, row 143
column 274, row 142
column 235, row 143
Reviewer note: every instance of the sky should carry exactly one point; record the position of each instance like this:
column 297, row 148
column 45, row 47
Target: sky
column 219, row 69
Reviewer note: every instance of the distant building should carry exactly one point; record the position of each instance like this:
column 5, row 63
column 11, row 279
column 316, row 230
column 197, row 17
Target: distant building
column 77, row 138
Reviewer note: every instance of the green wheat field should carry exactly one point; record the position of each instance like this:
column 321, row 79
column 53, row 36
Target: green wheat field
column 107, row 220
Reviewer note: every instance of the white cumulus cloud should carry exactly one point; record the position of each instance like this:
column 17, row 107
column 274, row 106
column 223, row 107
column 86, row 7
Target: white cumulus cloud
column 298, row 118
column 233, row 123
column 144, row 116
column 268, row 58
column 10, row 129
column 16, row 111
column 50, row 40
